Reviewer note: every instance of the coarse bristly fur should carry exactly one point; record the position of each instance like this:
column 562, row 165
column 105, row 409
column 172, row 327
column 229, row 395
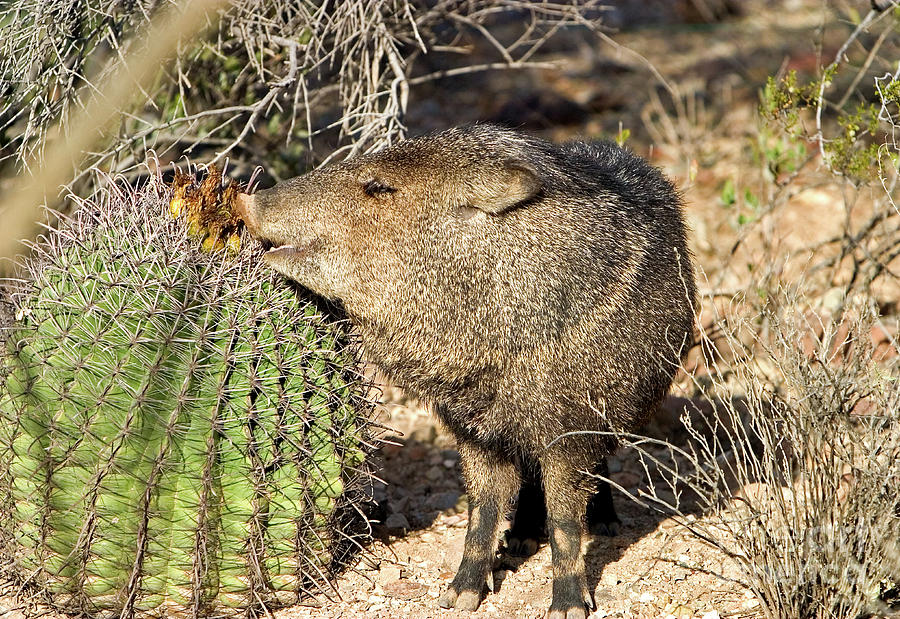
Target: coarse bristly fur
column 525, row 290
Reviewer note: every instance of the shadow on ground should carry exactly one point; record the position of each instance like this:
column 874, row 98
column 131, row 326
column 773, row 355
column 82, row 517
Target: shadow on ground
column 423, row 490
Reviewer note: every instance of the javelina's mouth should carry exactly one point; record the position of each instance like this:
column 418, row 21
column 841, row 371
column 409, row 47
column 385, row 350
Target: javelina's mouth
column 285, row 251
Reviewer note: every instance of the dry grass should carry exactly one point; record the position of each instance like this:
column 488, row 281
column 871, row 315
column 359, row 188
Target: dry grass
column 789, row 459
column 281, row 72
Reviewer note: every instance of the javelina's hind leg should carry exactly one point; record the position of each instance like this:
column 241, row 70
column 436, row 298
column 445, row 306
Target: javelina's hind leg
column 601, row 513
column 567, row 498
column 490, row 483
column 529, row 525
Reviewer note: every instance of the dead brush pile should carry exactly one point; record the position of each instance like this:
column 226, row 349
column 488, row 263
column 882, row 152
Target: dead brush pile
column 259, row 82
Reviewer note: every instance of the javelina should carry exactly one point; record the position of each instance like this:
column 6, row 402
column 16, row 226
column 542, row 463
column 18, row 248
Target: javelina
column 525, row 290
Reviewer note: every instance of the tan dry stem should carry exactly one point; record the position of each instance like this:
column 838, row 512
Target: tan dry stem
column 20, row 207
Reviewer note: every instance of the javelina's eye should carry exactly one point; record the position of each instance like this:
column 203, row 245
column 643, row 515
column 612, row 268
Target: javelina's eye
column 375, row 187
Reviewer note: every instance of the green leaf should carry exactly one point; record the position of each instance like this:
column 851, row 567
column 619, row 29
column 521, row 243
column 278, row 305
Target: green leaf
column 728, row 194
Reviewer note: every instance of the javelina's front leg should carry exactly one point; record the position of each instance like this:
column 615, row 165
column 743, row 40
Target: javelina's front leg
column 567, row 498
column 491, row 483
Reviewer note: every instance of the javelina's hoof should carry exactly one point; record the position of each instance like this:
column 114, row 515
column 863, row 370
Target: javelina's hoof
column 463, row 600
column 526, row 534
column 571, row 613
column 578, row 610
column 517, row 546
column 601, row 513
column 606, row 529
column 571, row 599
column 464, row 593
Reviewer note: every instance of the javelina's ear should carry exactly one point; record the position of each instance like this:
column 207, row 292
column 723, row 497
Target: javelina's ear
column 515, row 182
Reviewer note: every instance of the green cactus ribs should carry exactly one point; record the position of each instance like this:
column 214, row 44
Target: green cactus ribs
column 180, row 432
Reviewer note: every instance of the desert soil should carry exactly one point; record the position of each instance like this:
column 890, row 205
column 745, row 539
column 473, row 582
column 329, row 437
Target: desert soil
column 652, row 568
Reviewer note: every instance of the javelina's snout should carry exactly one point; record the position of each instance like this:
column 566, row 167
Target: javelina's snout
column 245, row 205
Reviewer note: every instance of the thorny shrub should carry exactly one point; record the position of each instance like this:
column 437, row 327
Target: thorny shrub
column 263, row 81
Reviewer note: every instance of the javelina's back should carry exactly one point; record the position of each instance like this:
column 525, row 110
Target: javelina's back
column 580, row 295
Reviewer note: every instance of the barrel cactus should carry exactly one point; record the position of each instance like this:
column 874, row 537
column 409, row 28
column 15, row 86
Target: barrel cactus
column 180, row 431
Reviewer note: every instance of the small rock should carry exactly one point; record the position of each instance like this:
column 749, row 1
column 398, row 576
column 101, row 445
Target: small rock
column 434, row 473
column 389, row 450
column 388, row 574
column 398, row 505
column 403, row 589
column 668, row 524
column 832, row 300
column 609, row 579
column 368, row 563
column 416, row 452
column 667, row 497
column 397, row 521
column 426, row 434
column 680, row 612
column 449, row 464
column 379, row 492
column 603, row 595
column 398, row 492
column 451, row 560
column 700, row 233
column 626, row 479
column 457, row 520
column 442, row 500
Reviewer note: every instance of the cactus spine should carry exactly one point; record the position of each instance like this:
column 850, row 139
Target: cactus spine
column 180, row 432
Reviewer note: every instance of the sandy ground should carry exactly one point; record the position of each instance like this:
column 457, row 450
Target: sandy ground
column 653, row 568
